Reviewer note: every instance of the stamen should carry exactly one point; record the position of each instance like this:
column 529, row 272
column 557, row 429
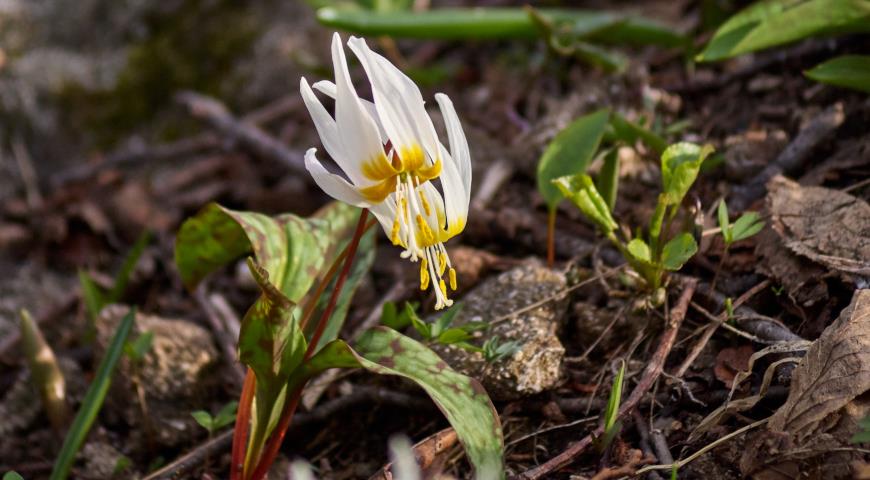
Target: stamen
column 425, row 203
column 424, row 274
column 453, row 279
column 443, row 287
column 442, row 262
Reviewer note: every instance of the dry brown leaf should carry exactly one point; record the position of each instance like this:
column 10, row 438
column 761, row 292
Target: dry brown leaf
column 729, row 361
column 827, row 226
column 821, row 411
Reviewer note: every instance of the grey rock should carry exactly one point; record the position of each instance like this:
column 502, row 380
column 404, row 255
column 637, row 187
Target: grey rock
column 535, row 367
column 173, row 377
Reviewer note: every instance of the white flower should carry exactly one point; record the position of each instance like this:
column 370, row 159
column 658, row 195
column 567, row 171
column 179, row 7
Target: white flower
column 389, row 151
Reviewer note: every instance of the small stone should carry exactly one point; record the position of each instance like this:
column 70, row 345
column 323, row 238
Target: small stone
column 535, row 367
column 174, row 376
column 103, row 461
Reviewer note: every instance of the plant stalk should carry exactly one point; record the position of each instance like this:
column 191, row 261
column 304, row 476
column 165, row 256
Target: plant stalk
column 274, row 442
column 551, row 237
column 240, row 432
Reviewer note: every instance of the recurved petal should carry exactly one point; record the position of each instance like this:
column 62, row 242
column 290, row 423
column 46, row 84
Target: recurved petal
column 456, row 197
column 358, row 131
column 323, row 121
column 456, row 136
column 398, row 101
column 334, row 186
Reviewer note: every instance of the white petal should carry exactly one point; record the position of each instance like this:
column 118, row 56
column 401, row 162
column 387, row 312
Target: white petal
column 334, row 186
column 398, row 101
column 328, row 88
column 458, row 144
column 358, row 131
column 385, row 212
column 456, row 195
column 323, row 121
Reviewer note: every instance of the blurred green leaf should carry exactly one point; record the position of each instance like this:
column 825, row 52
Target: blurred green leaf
column 581, row 190
column 724, row 224
column 639, row 250
column 771, row 23
column 680, row 165
column 92, row 294
column 850, row 71
column 678, row 251
column 137, row 349
column 446, row 319
column 462, row 399
column 122, row 279
column 204, row 419
column 630, row 132
column 12, row 475
column 746, row 226
column 612, row 410
column 570, row 153
column 453, row 335
column 226, row 415
column 608, row 178
column 93, row 400
column 499, row 23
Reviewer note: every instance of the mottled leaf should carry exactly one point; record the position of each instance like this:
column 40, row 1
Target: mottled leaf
column 462, row 399
column 770, row 23
column 569, row 153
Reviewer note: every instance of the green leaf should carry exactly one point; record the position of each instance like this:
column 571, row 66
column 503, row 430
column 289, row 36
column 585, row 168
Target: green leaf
column 610, row 413
column 445, row 320
column 727, row 233
column 12, row 475
column 390, row 316
column 608, row 178
column 771, row 23
column 453, row 335
column 226, row 415
column 850, row 71
column 680, row 165
column 498, row 23
column 93, row 400
column 92, row 295
column 423, row 328
column 204, row 419
column 122, row 279
column 137, row 349
column 678, row 251
column 639, row 250
column 746, row 226
column 570, row 153
column 462, row 399
column 581, row 190
column 630, row 132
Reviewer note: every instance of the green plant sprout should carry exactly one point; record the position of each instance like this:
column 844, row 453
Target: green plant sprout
column 225, row 416
column 747, row 225
column 652, row 255
column 494, row 350
column 611, row 413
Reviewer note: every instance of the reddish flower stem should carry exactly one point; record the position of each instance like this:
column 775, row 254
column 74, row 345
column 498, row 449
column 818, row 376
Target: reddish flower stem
column 551, row 237
column 274, row 442
column 243, row 419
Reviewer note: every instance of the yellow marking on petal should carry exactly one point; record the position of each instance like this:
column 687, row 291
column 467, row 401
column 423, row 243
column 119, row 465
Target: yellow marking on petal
column 424, row 275
column 378, row 192
column 412, row 157
column 452, row 278
column 425, row 203
column 394, row 234
column 380, row 168
column 430, row 172
column 442, row 263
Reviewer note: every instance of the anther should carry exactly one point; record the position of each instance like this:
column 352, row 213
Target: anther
column 453, row 279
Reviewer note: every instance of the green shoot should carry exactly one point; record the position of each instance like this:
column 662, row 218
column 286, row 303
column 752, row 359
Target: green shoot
column 45, row 371
column 95, row 297
column 674, row 468
column 212, row 424
column 729, row 309
column 747, row 225
column 493, row 350
column 93, row 400
column 611, row 413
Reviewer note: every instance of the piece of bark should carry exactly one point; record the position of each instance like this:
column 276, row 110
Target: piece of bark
column 807, row 434
column 531, row 291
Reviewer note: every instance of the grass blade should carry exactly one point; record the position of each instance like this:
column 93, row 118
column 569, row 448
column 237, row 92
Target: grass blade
column 93, row 400
column 122, row 279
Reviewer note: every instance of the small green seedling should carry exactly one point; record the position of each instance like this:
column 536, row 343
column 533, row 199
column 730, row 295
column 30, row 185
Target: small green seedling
column 777, row 290
column 650, row 255
column 212, row 424
column 440, row 331
column 729, row 309
column 747, row 225
column 494, row 350
column 863, row 436
column 611, row 413
column 122, row 464
column 12, row 475
column 397, row 319
column 674, row 468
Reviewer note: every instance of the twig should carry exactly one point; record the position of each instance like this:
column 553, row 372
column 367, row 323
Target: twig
column 711, row 329
column 650, row 375
column 247, row 135
column 705, row 449
column 792, row 157
column 274, row 110
column 217, row 321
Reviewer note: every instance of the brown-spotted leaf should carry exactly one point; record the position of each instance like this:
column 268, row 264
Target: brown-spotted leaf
column 462, row 399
